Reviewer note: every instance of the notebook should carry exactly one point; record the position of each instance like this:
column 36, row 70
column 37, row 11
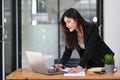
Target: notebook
column 37, row 63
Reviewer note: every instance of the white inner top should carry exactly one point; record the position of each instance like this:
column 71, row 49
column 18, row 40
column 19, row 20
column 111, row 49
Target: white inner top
column 82, row 46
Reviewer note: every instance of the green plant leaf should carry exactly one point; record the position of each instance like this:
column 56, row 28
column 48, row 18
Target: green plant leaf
column 108, row 59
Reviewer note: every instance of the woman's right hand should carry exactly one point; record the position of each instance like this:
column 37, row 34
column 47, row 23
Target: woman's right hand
column 57, row 66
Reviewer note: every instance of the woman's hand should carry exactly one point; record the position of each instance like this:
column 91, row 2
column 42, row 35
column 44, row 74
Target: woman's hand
column 57, row 66
column 76, row 69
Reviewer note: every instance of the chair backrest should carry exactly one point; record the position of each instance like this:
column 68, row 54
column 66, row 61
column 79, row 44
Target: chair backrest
column 73, row 62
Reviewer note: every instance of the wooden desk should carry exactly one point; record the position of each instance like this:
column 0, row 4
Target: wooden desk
column 27, row 74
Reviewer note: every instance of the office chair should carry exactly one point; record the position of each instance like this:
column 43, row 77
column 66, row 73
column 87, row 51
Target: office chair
column 73, row 62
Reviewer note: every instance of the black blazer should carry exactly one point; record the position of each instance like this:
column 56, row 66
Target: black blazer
column 95, row 48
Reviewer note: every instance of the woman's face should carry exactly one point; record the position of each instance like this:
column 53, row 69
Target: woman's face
column 70, row 23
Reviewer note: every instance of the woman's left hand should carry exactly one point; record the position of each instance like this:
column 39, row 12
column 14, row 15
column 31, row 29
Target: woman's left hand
column 75, row 69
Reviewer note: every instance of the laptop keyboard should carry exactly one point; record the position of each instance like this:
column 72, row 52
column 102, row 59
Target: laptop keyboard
column 52, row 71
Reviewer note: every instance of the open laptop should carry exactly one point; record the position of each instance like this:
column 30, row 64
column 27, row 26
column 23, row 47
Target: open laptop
column 37, row 63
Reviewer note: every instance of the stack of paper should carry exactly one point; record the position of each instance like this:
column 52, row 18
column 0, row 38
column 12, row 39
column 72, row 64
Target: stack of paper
column 94, row 69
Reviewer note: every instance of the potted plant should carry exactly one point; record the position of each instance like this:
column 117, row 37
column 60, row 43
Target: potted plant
column 109, row 63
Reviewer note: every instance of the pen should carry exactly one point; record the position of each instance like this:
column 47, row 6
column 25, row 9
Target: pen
column 63, row 67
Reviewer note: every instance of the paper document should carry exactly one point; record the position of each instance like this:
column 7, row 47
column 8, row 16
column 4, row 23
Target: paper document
column 81, row 73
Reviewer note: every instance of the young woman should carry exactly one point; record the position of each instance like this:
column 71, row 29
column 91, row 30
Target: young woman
column 84, row 37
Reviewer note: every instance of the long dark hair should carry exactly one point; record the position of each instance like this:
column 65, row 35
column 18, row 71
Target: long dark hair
column 71, row 40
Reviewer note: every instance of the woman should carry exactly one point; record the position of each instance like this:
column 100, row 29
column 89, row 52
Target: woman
column 84, row 37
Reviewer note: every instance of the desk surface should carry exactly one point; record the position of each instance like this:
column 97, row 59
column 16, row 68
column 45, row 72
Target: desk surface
column 27, row 74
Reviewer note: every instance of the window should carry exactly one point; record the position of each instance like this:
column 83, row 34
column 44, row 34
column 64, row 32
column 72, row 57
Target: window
column 87, row 9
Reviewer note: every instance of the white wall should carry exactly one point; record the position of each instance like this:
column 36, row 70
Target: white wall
column 112, row 27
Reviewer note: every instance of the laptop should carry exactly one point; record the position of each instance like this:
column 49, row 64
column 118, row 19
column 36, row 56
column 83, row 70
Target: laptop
column 37, row 63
